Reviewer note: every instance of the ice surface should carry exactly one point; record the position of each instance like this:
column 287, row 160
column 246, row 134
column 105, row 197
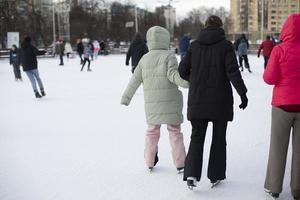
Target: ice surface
column 79, row 143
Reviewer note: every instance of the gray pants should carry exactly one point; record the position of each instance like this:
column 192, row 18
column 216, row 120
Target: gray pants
column 282, row 123
column 34, row 77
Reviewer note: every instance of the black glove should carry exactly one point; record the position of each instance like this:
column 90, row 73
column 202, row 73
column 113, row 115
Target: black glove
column 244, row 100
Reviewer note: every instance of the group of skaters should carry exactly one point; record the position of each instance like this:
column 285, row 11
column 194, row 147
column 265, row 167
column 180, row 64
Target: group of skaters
column 209, row 68
column 27, row 57
column 87, row 50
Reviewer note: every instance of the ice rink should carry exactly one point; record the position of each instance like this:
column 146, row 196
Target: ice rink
column 79, row 143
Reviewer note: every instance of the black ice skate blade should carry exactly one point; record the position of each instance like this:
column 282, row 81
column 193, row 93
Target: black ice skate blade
column 215, row 184
column 270, row 196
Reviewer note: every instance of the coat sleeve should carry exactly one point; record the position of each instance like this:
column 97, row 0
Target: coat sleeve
column 260, row 48
column 271, row 74
column 232, row 71
column 173, row 74
column 134, row 83
column 185, row 66
column 128, row 55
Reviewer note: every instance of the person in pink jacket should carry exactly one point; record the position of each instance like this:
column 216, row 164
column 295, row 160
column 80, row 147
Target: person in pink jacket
column 283, row 71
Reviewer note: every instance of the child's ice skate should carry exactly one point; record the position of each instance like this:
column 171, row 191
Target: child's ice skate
column 191, row 182
column 180, row 170
column 155, row 162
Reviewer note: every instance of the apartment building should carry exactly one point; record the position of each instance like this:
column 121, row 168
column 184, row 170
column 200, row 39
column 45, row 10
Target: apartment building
column 255, row 17
column 278, row 11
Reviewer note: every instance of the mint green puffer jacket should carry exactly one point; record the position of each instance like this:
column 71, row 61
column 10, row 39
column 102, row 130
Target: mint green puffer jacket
column 158, row 71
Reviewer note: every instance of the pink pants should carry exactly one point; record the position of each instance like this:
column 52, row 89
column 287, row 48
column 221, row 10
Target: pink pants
column 176, row 141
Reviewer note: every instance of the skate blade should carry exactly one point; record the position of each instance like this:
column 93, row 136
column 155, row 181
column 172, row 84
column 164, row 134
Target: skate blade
column 150, row 170
column 191, row 187
column 215, row 184
column 180, row 172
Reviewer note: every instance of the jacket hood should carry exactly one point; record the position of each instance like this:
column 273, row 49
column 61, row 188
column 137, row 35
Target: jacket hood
column 291, row 29
column 158, row 38
column 211, row 35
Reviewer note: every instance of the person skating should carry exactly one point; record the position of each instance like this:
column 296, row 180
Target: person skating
column 61, row 52
column 80, row 50
column 14, row 60
column 28, row 59
column 267, row 47
column 87, row 52
column 242, row 46
column 184, row 45
column 211, row 67
column 68, row 49
column 158, row 72
column 96, row 46
column 283, row 71
column 136, row 50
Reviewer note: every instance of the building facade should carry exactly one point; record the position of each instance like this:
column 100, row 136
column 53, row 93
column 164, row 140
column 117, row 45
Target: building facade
column 260, row 17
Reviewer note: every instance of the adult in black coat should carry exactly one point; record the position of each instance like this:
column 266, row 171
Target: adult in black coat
column 28, row 59
column 14, row 60
column 210, row 66
column 136, row 50
column 80, row 49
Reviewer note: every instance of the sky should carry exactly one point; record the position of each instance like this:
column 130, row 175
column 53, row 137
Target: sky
column 182, row 6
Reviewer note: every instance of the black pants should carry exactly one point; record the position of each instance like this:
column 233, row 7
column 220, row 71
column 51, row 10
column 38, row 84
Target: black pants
column 17, row 71
column 80, row 56
column 266, row 61
column 245, row 58
column 217, row 158
column 84, row 61
column 61, row 57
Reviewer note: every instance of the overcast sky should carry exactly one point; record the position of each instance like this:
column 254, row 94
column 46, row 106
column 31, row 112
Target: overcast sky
column 182, row 6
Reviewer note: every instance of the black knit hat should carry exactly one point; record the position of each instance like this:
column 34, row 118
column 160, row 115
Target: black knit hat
column 214, row 21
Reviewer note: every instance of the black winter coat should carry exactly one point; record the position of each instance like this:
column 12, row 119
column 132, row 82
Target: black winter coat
column 80, row 48
column 28, row 55
column 210, row 65
column 136, row 51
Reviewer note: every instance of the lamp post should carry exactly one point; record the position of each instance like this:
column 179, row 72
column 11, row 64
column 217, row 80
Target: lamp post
column 54, row 31
column 136, row 19
column 262, row 19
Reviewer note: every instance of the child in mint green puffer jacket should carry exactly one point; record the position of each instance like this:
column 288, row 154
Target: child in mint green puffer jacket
column 158, row 72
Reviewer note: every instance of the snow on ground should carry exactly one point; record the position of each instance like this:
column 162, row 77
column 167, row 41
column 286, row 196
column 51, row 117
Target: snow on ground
column 79, row 143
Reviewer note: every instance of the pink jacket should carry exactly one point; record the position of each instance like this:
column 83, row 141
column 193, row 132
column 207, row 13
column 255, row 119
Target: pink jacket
column 283, row 69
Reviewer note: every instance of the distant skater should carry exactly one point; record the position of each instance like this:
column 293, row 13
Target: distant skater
column 242, row 46
column 158, row 71
column 136, row 50
column 86, row 55
column 14, row 60
column 29, row 63
column 266, row 47
column 61, row 52
column 80, row 50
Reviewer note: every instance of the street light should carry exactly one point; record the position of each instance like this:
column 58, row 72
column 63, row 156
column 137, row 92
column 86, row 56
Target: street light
column 136, row 19
column 54, row 32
